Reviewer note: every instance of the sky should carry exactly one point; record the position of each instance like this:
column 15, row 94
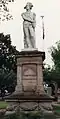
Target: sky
column 50, row 9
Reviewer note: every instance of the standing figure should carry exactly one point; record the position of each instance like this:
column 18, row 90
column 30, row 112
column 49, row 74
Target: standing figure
column 29, row 23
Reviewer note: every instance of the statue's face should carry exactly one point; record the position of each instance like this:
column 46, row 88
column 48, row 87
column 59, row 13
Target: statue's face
column 27, row 7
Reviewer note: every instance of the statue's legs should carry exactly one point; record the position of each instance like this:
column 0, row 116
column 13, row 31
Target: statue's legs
column 27, row 42
column 32, row 36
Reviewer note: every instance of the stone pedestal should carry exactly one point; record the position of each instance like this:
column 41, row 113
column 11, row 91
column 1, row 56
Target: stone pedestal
column 29, row 93
column 30, row 72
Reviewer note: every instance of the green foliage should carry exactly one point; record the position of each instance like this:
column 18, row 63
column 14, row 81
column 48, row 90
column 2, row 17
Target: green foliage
column 55, row 53
column 7, row 62
column 14, row 116
column 23, row 115
column 3, row 104
column 7, row 80
column 54, row 72
column 47, row 74
column 50, row 75
column 7, row 53
column 4, row 10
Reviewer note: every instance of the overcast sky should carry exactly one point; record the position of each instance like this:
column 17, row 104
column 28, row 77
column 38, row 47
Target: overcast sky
column 51, row 11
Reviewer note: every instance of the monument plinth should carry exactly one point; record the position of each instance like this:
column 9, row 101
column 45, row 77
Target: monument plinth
column 30, row 77
column 30, row 72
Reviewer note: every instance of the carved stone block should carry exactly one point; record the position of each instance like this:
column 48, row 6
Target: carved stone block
column 30, row 72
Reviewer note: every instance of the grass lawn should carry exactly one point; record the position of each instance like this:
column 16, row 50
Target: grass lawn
column 3, row 104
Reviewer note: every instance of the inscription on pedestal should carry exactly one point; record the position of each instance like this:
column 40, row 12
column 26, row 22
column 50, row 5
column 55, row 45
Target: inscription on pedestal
column 29, row 73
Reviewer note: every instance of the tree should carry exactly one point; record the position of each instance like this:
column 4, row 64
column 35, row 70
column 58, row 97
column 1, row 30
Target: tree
column 4, row 11
column 55, row 53
column 7, row 62
column 54, row 72
column 47, row 74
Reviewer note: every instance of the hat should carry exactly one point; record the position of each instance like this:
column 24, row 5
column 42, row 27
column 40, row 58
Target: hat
column 30, row 4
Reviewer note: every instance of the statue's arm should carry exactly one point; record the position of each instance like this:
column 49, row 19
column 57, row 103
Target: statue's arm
column 26, row 18
column 34, row 20
column 34, row 17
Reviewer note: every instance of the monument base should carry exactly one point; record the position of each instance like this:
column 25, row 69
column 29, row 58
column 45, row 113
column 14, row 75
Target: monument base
column 29, row 93
column 28, row 103
column 30, row 72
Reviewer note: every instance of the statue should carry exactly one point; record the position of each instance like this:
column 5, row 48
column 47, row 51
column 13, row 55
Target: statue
column 29, row 24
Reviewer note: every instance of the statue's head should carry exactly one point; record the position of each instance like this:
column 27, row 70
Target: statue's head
column 28, row 6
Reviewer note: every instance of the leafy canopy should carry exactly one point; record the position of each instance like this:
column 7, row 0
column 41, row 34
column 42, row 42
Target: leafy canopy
column 8, row 66
column 53, row 73
column 4, row 11
column 55, row 54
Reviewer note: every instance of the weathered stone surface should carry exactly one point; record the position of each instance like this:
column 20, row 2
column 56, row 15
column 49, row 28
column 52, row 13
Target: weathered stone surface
column 2, row 111
column 30, row 72
column 29, row 94
column 29, row 23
